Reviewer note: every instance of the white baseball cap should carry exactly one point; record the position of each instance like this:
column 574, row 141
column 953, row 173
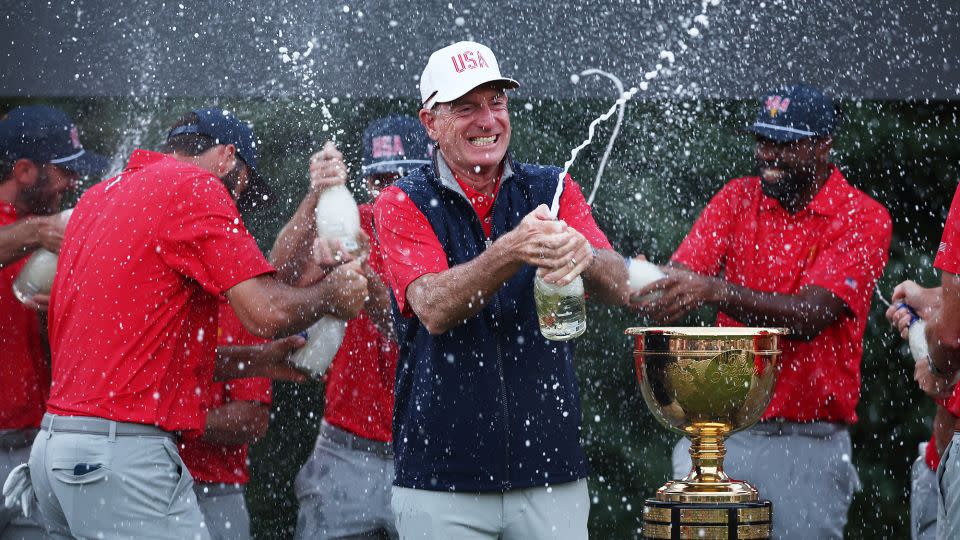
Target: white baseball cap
column 457, row 69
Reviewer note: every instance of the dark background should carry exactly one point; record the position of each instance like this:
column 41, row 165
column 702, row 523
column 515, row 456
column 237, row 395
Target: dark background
column 670, row 158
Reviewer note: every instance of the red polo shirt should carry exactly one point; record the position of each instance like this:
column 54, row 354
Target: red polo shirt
column 24, row 375
column 411, row 249
column 221, row 463
column 133, row 315
column 359, row 383
column 839, row 242
column 948, row 254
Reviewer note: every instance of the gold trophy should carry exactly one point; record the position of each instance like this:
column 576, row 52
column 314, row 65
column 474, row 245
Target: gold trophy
column 705, row 384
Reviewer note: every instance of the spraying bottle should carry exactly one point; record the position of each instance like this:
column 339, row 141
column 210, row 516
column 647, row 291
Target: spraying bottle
column 338, row 218
column 37, row 274
column 643, row 273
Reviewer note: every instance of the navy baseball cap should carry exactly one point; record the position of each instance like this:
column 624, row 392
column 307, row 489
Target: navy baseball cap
column 794, row 113
column 45, row 134
column 225, row 128
column 395, row 144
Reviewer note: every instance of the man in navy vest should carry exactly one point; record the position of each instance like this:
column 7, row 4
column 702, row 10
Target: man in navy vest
column 487, row 414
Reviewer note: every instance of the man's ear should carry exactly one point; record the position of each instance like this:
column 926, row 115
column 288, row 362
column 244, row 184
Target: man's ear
column 226, row 158
column 25, row 172
column 429, row 121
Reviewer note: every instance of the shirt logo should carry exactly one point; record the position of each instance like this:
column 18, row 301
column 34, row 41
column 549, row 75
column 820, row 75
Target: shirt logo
column 850, row 282
column 468, row 60
column 776, row 105
column 387, row 146
column 75, row 137
column 942, row 248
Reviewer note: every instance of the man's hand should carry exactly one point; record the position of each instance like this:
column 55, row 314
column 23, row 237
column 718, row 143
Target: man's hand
column 924, row 302
column 346, row 288
column 558, row 250
column 50, row 231
column 38, row 302
column 327, row 168
column 932, row 385
column 679, row 293
column 267, row 360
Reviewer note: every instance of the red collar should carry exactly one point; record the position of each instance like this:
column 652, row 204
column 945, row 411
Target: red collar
column 478, row 197
column 826, row 202
column 140, row 159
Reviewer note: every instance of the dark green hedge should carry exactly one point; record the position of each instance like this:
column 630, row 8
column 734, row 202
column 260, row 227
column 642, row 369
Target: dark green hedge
column 670, row 158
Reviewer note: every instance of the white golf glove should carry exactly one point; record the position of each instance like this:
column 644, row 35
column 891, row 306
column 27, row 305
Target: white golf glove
column 19, row 488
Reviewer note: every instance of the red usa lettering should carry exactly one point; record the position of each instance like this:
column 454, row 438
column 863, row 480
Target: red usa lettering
column 468, row 60
column 387, row 146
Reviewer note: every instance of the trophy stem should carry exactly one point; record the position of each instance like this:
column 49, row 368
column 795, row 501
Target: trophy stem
column 707, row 452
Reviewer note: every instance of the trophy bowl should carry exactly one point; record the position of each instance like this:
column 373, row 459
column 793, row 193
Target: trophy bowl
column 705, row 384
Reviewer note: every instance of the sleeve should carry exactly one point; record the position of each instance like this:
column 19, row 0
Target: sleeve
column 948, row 254
column 953, row 402
column 252, row 389
column 704, row 248
column 852, row 256
column 205, row 239
column 409, row 247
column 576, row 212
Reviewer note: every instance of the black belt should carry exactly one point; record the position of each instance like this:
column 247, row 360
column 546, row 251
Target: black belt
column 355, row 442
column 817, row 429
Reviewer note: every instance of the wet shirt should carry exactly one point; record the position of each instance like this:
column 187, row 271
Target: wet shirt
column 24, row 375
column 133, row 313
column 411, row 248
column 839, row 242
column 948, row 254
column 225, row 463
column 359, row 383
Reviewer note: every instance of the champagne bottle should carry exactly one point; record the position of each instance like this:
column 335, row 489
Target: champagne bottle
column 561, row 311
column 37, row 274
column 338, row 218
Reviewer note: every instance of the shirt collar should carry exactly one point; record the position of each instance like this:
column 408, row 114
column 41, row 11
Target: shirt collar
column 826, row 202
column 140, row 159
column 447, row 178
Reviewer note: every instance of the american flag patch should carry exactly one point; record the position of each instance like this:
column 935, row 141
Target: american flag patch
column 850, row 282
column 942, row 248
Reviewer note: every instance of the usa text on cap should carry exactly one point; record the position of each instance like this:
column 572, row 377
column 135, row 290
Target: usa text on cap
column 457, row 69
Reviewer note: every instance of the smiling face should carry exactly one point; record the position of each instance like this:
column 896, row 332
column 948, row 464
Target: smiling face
column 45, row 194
column 788, row 170
column 473, row 131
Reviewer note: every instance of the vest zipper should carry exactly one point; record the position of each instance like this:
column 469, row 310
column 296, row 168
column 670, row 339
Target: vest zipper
column 487, row 242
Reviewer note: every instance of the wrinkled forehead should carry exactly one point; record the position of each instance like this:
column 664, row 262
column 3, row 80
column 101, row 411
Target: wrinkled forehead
column 484, row 92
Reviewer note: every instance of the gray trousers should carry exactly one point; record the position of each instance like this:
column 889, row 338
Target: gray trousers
column 558, row 512
column 224, row 510
column 100, row 479
column 923, row 499
column 14, row 451
column 344, row 488
column 948, row 502
column 805, row 470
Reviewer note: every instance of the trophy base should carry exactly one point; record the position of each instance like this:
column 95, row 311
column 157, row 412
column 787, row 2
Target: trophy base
column 680, row 521
column 730, row 491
